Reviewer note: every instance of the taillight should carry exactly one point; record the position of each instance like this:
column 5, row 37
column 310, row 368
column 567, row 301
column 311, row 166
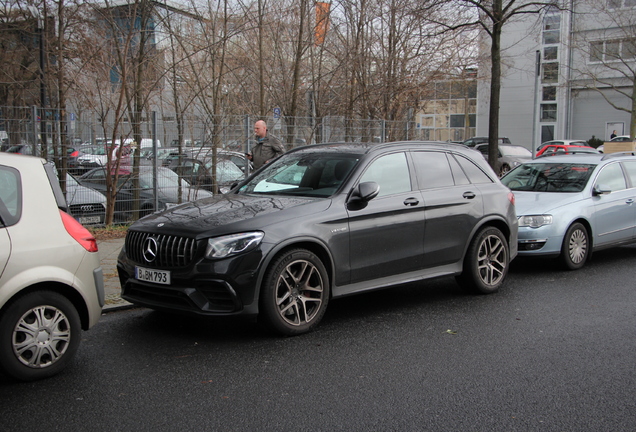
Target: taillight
column 78, row 232
column 75, row 153
column 511, row 198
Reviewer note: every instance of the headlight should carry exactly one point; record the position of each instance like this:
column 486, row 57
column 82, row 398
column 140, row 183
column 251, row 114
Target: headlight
column 535, row 221
column 221, row 247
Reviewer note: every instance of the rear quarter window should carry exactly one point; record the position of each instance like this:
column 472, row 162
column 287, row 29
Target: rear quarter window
column 10, row 196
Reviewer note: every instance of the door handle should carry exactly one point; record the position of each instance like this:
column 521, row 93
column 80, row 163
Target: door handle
column 629, row 201
column 469, row 195
column 411, row 202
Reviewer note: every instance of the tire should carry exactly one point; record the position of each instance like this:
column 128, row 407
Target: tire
column 486, row 263
column 575, row 249
column 295, row 293
column 39, row 335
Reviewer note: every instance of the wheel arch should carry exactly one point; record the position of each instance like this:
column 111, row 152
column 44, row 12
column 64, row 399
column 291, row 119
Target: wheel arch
column 498, row 223
column 313, row 245
column 588, row 226
column 69, row 292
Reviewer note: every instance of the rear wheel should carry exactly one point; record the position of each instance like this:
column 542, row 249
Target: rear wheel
column 486, row 263
column 576, row 247
column 295, row 293
column 39, row 335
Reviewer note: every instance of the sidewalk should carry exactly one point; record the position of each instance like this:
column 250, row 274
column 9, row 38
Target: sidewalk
column 108, row 251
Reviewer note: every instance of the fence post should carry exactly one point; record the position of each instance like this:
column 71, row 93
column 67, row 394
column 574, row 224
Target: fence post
column 34, row 124
column 383, row 130
column 248, row 129
column 153, row 131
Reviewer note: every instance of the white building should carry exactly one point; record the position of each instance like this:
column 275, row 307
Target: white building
column 578, row 52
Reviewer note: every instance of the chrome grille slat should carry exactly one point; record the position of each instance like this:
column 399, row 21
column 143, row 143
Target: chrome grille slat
column 173, row 251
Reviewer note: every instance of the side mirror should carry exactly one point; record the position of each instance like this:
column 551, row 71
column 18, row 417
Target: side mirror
column 364, row 192
column 600, row 189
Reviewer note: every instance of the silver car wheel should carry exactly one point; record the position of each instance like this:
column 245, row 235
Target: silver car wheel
column 299, row 292
column 41, row 336
column 492, row 260
column 577, row 246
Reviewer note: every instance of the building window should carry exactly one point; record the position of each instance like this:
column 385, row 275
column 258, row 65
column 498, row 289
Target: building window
column 613, row 50
column 549, row 93
column 548, row 112
column 459, row 120
column 617, row 4
column 547, row 133
column 550, row 53
column 551, row 29
column 550, row 72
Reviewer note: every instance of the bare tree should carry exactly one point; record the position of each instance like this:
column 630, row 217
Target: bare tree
column 490, row 16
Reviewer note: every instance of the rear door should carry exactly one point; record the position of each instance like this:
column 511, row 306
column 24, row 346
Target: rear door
column 453, row 206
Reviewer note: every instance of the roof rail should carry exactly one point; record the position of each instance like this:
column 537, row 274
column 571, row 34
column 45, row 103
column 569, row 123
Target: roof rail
column 568, row 152
column 618, row 154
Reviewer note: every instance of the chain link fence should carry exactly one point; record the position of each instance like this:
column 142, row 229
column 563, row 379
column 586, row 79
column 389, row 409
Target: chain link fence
column 115, row 170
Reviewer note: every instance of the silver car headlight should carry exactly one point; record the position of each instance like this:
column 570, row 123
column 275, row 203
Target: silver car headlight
column 535, row 221
column 222, row 247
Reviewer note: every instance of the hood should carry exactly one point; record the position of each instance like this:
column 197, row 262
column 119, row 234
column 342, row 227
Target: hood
column 527, row 203
column 228, row 213
column 78, row 194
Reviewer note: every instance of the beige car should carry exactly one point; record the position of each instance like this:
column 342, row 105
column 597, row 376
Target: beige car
column 51, row 282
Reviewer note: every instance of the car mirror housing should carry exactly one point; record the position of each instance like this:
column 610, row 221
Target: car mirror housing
column 601, row 189
column 364, row 192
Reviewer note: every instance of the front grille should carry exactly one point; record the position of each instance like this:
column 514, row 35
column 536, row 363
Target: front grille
column 172, row 251
column 86, row 209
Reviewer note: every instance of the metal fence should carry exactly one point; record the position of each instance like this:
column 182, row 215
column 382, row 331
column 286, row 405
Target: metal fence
column 87, row 147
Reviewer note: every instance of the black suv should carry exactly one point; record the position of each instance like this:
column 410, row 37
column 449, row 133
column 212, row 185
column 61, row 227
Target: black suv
column 325, row 221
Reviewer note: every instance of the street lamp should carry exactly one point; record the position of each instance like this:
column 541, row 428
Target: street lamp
column 39, row 30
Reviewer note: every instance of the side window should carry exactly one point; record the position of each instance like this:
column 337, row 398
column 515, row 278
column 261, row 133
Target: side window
column 391, row 172
column 612, row 177
column 10, row 195
column 432, row 170
column 474, row 173
column 458, row 173
column 630, row 167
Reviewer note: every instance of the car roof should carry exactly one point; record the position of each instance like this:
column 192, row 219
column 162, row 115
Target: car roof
column 584, row 158
column 368, row 147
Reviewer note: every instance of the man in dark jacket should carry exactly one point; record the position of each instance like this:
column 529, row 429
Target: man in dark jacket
column 267, row 147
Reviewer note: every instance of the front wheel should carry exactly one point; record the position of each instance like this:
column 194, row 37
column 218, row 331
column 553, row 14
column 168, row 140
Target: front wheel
column 39, row 335
column 295, row 293
column 576, row 248
column 486, row 263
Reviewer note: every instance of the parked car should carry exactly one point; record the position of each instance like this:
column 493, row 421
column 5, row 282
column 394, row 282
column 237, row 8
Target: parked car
column 86, row 205
column 72, row 153
column 472, row 142
column 556, row 149
column 509, row 156
column 569, row 206
column 167, row 188
column 563, row 143
column 622, row 138
column 51, row 284
column 199, row 174
column 325, row 221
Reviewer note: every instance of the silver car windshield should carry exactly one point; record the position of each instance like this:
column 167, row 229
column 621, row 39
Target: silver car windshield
column 301, row 174
column 549, row 177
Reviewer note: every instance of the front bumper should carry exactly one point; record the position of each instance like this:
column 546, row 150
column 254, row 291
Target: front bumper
column 214, row 288
column 539, row 241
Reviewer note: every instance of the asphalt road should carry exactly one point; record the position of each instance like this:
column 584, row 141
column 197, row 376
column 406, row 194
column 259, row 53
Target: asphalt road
column 552, row 351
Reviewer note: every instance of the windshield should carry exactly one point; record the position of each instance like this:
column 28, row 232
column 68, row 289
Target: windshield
column 549, row 177
column 303, row 174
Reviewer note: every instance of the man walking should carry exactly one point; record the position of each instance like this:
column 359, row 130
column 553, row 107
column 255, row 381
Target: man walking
column 267, row 147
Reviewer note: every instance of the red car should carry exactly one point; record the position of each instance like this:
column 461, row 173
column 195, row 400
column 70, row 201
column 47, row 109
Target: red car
column 554, row 149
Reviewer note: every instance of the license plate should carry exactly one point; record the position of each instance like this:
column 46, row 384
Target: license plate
column 89, row 220
column 152, row 275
